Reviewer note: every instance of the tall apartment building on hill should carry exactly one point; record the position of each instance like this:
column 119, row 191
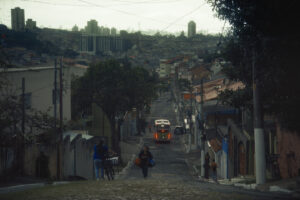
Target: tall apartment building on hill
column 17, row 19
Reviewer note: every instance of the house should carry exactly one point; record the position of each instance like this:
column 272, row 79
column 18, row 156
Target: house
column 227, row 143
column 230, row 136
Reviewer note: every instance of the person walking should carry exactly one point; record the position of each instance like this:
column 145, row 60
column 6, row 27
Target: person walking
column 149, row 127
column 214, row 166
column 206, row 166
column 145, row 156
column 100, row 150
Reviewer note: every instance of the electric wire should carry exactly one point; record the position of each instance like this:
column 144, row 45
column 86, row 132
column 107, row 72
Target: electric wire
column 181, row 17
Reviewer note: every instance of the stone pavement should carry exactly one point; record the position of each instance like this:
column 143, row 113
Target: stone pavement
column 125, row 190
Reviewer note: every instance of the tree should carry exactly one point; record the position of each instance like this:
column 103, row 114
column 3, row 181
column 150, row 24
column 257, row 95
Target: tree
column 267, row 28
column 75, row 28
column 116, row 88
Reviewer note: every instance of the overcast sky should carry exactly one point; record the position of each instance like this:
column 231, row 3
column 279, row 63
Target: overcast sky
column 163, row 15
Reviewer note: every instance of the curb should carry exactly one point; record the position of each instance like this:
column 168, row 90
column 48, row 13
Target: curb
column 17, row 188
column 130, row 163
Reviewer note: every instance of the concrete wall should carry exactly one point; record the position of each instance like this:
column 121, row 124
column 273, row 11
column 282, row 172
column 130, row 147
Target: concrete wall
column 33, row 151
column 6, row 159
column 128, row 127
column 289, row 153
column 77, row 158
column 101, row 125
column 128, row 149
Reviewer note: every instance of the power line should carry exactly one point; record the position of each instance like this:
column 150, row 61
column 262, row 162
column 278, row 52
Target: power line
column 122, row 11
column 90, row 4
column 55, row 4
column 179, row 18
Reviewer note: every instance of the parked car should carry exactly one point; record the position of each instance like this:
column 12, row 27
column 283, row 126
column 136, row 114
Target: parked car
column 179, row 130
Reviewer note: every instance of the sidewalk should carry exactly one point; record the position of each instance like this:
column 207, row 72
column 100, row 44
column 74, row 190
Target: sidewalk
column 21, row 187
column 288, row 186
column 137, row 143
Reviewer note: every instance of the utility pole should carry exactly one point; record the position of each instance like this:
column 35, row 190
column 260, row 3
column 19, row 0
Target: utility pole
column 202, row 130
column 61, row 99
column 22, row 139
column 55, row 117
column 260, row 160
column 60, row 132
column 190, row 121
column 54, row 94
column 195, row 124
column 23, row 106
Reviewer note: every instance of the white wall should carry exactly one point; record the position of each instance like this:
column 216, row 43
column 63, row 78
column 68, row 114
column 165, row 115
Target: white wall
column 40, row 83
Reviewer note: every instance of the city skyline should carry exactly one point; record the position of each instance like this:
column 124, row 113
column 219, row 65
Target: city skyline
column 165, row 15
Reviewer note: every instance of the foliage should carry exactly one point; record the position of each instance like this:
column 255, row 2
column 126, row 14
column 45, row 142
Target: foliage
column 70, row 53
column 29, row 40
column 264, row 32
column 115, row 87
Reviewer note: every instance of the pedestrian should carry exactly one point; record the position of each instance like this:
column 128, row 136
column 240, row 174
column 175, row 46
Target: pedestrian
column 149, row 127
column 145, row 156
column 214, row 166
column 206, row 166
column 100, row 150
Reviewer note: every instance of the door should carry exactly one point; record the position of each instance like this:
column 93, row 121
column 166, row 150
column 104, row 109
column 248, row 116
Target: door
column 242, row 159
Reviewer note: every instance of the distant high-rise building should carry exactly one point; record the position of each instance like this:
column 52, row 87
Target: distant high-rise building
column 106, row 32
column 30, row 24
column 191, row 29
column 17, row 19
column 113, row 31
column 92, row 27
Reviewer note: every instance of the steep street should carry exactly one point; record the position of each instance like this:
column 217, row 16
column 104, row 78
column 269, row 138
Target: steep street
column 171, row 178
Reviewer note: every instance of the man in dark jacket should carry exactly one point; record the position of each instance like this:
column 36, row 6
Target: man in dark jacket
column 100, row 150
column 145, row 156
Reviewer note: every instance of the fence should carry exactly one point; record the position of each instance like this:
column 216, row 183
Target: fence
column 40, row 160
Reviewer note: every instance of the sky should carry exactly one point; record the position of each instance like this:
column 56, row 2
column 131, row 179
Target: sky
column 133, row 15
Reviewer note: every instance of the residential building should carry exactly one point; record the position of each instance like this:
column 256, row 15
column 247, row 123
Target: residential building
column 30, row 24
column 99, row 44
column 106, row 32
column 39, row 87
column 191, row 29
column 163, row 71
column 113, row 31
column 92, row 27
column 17, row 19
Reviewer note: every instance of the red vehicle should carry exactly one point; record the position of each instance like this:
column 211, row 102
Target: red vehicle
column 162, row 131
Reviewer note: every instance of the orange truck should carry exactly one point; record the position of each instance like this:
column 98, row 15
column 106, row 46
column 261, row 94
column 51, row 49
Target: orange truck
column 162, row 131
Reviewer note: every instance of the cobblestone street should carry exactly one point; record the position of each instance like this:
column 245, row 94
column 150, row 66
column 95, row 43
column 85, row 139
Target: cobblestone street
column 171, row 179
column 122, row 189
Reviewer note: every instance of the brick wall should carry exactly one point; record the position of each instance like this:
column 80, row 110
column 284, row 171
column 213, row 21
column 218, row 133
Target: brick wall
column 289, row 153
